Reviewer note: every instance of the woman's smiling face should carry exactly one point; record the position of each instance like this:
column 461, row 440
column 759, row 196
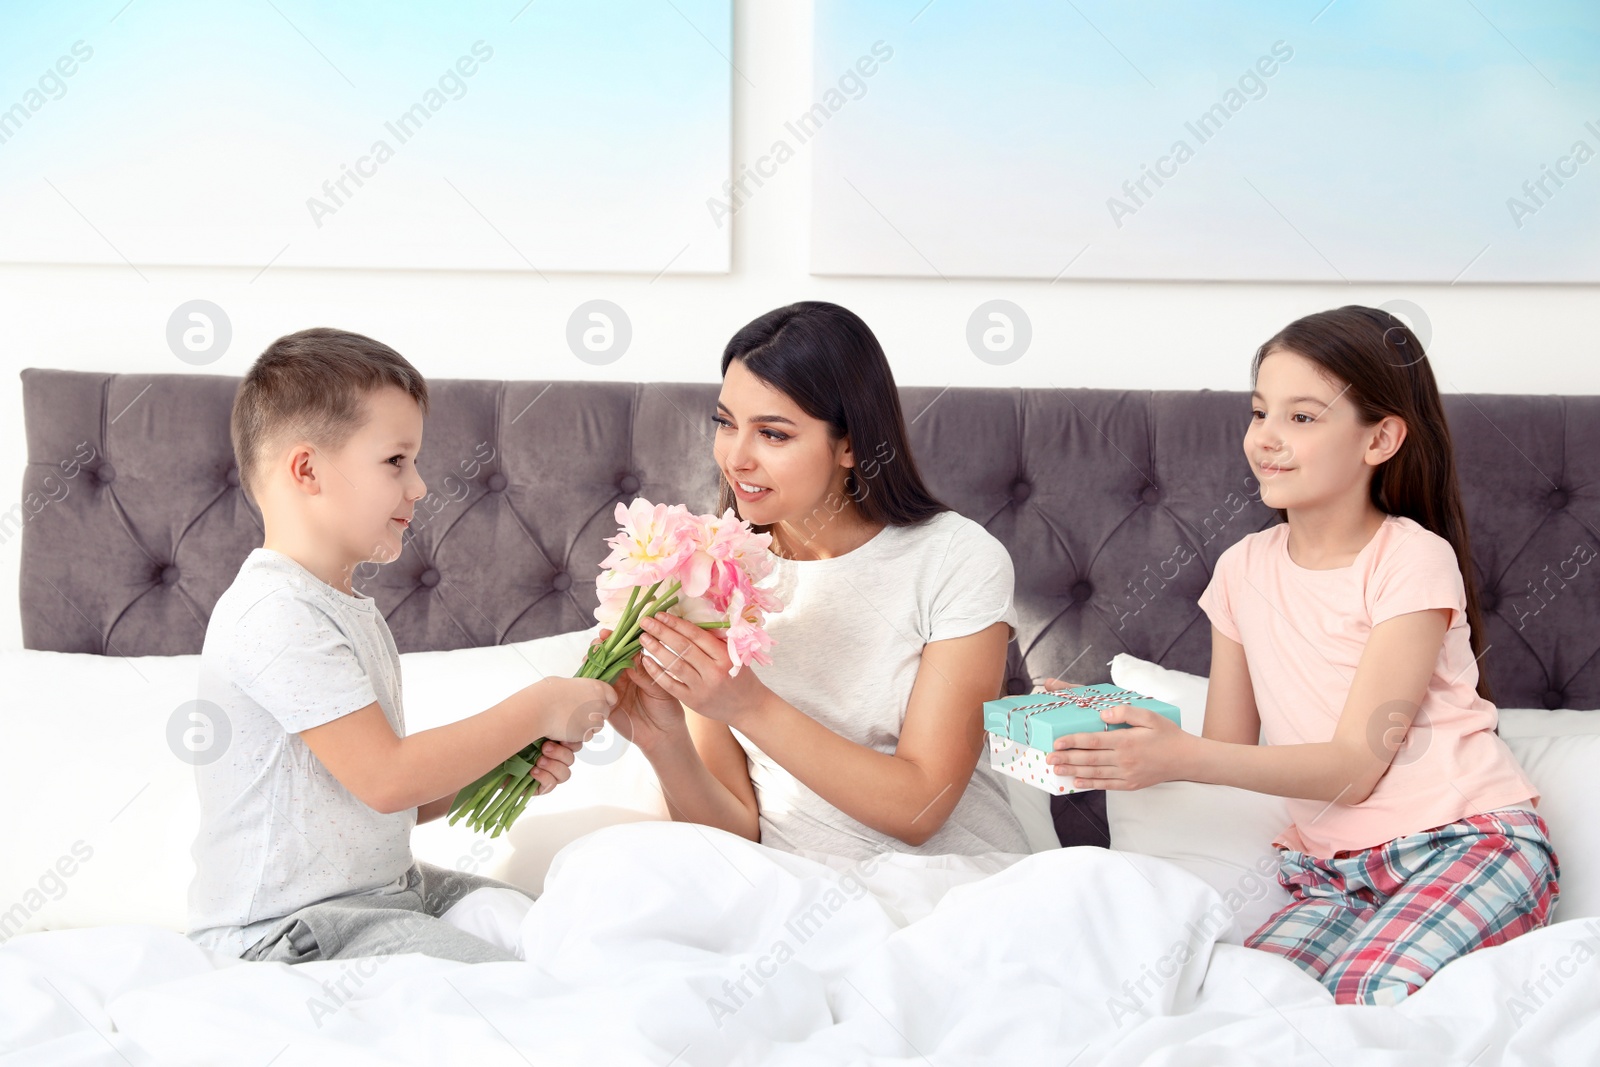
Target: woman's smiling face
column 781, row 463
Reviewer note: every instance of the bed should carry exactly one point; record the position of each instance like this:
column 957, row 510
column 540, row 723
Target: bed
column 661, row 943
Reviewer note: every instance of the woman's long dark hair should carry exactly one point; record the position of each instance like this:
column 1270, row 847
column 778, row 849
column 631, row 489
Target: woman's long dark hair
column 1387, row 372
column 825, row 359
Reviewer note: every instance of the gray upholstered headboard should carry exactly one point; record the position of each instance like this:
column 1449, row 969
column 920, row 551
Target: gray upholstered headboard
column 1115, row 506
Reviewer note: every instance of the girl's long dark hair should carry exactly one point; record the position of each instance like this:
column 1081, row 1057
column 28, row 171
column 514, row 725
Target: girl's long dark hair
column 825, row 359
column 1387, row 372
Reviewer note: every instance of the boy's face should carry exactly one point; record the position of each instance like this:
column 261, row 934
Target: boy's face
column 370, row 486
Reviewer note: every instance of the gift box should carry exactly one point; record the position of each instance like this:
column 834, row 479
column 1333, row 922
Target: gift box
column 1023, row 729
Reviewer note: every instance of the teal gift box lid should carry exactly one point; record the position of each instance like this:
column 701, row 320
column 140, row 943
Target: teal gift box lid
column 1035, row 720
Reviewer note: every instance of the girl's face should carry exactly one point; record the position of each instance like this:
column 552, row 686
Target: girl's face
column 1306, row 442
column 782, row 463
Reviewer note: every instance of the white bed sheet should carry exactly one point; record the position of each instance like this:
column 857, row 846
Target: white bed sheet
column 636, row 952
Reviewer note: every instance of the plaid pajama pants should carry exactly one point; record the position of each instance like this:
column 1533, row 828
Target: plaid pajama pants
column 1375, row 924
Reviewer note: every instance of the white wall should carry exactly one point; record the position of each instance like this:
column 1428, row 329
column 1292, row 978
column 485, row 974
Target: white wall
column 1511, row 339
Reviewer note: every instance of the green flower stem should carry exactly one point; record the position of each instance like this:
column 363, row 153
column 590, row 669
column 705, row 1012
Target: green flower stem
column 501, row 802
column 486, row 799
column 625, row 625
column 627, row 613
column 516, row 812
column 472, row 799
column 495, row 801
column 668, row 598
column 520, row 795
column 467, row 797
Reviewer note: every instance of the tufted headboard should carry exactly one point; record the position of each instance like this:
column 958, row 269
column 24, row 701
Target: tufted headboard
column 1115, row 506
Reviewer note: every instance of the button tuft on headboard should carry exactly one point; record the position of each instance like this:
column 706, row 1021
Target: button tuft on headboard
column 1118, row 537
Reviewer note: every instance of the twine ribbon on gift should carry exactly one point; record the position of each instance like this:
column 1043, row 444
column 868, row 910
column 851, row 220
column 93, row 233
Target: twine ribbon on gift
column 1089, row 703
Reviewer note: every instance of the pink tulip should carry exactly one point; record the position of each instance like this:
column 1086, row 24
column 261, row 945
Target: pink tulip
column 653, row 543
column 748, row 641
column 711, row 563
column 701, row 567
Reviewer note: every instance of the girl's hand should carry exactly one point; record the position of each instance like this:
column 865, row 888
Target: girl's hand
column 691, row 666
column 1150, row 751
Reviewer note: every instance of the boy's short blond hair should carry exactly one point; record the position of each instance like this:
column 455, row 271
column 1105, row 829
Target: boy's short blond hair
column 310, row 385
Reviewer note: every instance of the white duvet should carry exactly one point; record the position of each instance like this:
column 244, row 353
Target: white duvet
column 668, row 943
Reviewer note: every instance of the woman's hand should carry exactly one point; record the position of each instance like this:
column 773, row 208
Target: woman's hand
column 644, row 714
column 1153, row 749
column 691, row 666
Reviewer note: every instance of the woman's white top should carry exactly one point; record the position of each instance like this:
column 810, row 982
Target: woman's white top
column 847, row 647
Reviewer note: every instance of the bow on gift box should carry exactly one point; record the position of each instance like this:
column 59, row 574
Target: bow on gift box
column 1087, row 698
column 1021, row 733
column 1088, row 703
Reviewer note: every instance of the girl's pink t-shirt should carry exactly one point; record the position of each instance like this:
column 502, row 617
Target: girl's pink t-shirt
column 1303, row 632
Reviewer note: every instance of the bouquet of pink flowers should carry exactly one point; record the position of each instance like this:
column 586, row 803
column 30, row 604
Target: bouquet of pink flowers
column 703, row 568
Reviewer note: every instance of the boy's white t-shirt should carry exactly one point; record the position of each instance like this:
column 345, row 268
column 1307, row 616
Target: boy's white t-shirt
column 846, row 650
column 285, row 651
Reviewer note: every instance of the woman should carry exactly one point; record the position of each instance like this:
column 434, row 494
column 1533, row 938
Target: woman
column 864, row 733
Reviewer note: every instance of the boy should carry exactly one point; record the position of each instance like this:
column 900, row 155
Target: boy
column 304, row 849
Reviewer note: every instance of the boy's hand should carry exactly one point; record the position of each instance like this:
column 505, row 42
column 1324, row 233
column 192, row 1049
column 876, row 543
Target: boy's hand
column 571, row 709
column 554, row 765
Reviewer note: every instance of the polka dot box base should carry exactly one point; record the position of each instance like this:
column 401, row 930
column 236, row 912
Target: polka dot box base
column 1027, row 765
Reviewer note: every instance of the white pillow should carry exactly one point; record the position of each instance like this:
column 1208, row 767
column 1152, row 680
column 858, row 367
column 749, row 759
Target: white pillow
column 1220, row 834
column 1562, row 767
column 101, row 814
column 1538, row 722
column 1186, row 691
column 611, row 782
column 1031, row 807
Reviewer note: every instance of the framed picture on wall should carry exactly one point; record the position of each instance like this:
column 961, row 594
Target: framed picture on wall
column 557, row 135
column 1434, row 141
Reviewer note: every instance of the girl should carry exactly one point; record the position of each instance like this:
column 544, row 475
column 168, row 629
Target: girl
column 863, row 734
column 1347, row 640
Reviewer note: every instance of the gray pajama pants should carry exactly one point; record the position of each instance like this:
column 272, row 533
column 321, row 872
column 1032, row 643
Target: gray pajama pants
column 384, row 924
